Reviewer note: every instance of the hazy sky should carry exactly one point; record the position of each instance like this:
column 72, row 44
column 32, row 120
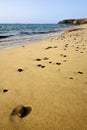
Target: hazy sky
column 41, row 11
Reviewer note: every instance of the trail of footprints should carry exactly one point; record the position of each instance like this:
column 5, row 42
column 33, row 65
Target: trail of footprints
column 63, row 55
column 56, row 63
column 22, row 111
column 49, row 61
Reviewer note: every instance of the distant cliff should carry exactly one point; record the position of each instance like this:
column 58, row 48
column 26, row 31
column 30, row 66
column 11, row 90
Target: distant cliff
column 73, row 21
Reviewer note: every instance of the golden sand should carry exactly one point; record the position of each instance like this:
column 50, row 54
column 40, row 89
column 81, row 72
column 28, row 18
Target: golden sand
column 50, row 77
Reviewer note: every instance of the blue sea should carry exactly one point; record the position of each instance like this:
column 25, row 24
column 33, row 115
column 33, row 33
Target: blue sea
column 14, row 35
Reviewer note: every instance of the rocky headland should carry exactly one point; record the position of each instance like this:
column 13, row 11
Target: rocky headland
column 74, row 21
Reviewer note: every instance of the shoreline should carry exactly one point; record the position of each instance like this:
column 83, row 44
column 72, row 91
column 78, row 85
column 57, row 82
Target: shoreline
column 50, row 79
column 26, row 41
column 18, row 41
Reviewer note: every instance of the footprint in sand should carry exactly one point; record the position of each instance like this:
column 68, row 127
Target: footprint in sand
column 20, row 70
column 46, row 58
column 81, row 52
column 42, row 66
column 50, row 62
column 77, row 47
column 39, row 65
column 74, row 38
column 55, row 46
column 66, row 45
column 21, row 111
column 58, row 63
column 83, row 48
column 65, row 49
column 49, row 47
column 65, row 60
column 38, row 59
column 63, row 55
column 77, row 50
column 80, row 72
column 4, row 90
column 23, row 46
column 71, row 78
column 76, row 42
column 86, row 83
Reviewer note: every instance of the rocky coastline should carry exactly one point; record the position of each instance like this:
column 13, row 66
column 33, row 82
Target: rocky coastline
column 73, row 21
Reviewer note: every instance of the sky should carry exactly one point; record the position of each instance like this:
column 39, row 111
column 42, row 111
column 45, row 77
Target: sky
column 41, row 11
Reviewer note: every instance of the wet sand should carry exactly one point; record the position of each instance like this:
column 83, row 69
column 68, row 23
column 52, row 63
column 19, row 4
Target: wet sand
column 49, row 79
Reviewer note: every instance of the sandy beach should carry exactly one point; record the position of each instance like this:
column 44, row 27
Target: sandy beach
column 48, row 77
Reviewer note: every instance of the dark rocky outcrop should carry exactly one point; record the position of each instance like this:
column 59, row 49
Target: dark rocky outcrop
column 74, row 21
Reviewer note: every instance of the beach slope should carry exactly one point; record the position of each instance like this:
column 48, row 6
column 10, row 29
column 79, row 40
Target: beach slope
column 50, row 79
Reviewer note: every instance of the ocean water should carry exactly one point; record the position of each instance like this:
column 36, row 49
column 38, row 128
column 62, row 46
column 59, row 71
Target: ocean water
column 14, row 35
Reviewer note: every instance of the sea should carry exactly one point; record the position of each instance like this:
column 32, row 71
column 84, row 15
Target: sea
column 15, row 35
